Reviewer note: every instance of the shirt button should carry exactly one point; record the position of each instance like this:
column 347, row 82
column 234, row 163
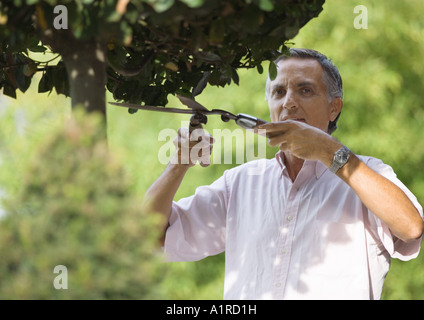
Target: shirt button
column 283, row 251
column 278, row 284
column 289, row 218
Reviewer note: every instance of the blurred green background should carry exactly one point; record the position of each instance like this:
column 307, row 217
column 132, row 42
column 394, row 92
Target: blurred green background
column 383, row 117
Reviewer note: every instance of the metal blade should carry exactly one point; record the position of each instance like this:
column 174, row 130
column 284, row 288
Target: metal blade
column 205, row 111
column 191, row 103
column 153, row 108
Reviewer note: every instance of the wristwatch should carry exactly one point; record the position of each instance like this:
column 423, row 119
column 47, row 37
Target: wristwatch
column 341, row 157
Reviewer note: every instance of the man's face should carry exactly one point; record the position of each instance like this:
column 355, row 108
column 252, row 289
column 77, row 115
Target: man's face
column 299, row 93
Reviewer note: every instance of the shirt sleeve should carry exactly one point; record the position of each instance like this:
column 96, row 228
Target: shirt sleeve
column 197, row 224
column 395, row 247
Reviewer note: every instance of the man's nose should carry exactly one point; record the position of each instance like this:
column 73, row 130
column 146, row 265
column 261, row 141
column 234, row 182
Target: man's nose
column 289, row 101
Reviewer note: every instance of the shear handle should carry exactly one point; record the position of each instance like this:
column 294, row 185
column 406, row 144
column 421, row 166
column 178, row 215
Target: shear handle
column 196, row 121
column 246, row 121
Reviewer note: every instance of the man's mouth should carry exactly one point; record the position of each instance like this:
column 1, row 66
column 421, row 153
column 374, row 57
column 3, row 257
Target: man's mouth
column 293, row 119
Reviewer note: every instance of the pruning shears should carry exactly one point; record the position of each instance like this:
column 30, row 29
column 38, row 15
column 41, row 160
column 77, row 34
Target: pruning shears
column 199, row 113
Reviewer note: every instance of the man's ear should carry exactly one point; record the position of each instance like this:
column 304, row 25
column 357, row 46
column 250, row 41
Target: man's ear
column 335, row 108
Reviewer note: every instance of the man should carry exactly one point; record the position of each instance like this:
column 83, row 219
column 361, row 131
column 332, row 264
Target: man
column 319, row 223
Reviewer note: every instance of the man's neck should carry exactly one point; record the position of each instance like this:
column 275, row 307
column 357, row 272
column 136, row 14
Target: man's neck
column 293, row 165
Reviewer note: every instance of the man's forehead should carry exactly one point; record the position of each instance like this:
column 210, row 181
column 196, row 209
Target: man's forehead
column 299, row 63
column 299, row 69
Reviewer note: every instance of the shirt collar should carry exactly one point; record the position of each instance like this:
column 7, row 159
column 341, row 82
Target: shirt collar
column 320, row 168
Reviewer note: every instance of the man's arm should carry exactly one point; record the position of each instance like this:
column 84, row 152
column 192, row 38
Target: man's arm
column 189, row 150
column 160, row 195
column 381, row 196
column 386, row 200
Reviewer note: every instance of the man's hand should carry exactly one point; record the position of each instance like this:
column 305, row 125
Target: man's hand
column 302, row 140
column 190, row 148
column 193, row 147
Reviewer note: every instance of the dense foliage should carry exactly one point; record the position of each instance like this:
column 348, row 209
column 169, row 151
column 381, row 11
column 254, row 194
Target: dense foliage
column 153, row 48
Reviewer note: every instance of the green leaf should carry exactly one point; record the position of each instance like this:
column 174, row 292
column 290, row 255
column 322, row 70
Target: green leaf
column 260, row 69
column 235, row 76
column 161, row 5
column 272, row 70
column 29, row 69
column 60, row 79
column 266, row 5
column 37, row 48
column 214, row 77
column 201, row 84
column 193, row 3
column 46, row 81
column 114, row 17
column 22, row 81
column 9, row 91
column 211, row 57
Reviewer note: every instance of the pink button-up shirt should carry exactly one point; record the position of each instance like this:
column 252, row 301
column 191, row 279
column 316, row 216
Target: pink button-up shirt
column 308, row 239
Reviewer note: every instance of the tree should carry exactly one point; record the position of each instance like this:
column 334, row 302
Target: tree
column 142, row 50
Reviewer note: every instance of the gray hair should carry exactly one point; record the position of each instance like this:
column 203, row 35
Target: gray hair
column 331, row 76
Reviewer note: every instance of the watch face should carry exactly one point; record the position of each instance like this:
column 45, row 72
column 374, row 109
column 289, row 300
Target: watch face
column 342, row 156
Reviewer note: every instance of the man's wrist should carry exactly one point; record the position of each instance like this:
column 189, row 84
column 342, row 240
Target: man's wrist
column 180, row 161
column 328, row 151
column 177, row 167
column 340, row 158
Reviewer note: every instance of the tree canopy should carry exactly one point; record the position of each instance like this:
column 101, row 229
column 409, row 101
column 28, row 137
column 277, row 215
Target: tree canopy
column 142, row 50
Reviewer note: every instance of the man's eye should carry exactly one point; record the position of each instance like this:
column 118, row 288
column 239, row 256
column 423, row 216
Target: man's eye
column 306, row 91
column 279, row 92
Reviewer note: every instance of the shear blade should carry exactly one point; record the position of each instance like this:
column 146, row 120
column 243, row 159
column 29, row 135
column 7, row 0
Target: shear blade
column 191, row 103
